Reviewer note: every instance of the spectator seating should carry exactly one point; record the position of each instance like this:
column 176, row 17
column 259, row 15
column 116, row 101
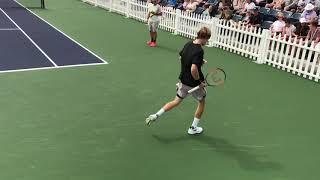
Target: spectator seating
column 237, row 18
column 287, row 14
column 266, row 24
column 295, row 17
column 272, row 15
column 264, row 10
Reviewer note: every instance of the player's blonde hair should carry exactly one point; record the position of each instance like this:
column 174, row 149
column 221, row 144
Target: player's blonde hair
column 204, row 33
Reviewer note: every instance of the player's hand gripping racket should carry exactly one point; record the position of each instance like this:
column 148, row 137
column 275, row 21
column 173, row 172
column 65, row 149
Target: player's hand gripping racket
column 215, row 77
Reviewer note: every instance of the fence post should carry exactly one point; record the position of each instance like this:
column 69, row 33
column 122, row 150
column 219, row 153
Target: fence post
column 96, row 3
column 177, row 21
column 263, row 50
column 214, row 21
column 110, row 5
column 317, row 61
column 128, row 8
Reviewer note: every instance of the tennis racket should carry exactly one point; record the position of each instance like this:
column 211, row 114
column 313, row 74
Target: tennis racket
column 214, row 77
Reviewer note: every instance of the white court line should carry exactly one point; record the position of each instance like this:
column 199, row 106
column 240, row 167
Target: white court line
column 28, row 37
column 9, row 29
column 53, row 67
column 63, row 33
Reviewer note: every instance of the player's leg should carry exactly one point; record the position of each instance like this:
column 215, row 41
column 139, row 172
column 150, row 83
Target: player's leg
column 182, row 92
column 155, row 25
column 200, row 96
column 172, row 104
column 167, row 107
column 155, row 36
column 150, row 32
column 200, row 109
column 151, row 38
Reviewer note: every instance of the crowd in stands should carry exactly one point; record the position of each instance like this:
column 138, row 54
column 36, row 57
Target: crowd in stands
column 296, row 18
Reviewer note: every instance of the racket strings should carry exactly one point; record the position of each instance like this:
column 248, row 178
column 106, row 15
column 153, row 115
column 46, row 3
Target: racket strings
column 215, row 77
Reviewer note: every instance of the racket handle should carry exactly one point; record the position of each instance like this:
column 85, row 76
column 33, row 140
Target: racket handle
column 193, row 89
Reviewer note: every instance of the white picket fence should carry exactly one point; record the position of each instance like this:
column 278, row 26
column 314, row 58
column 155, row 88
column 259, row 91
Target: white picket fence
column 291, row 55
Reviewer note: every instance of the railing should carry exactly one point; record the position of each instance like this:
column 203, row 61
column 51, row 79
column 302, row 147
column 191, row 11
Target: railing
column 288, row 54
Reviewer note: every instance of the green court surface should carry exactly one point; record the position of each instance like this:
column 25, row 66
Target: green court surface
column 87, row 123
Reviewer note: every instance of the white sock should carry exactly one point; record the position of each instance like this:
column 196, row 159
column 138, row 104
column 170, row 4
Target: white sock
column 160, row 112
column 195, row 122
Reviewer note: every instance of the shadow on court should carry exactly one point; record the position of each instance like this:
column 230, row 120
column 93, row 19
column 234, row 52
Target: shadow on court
column 244, row 157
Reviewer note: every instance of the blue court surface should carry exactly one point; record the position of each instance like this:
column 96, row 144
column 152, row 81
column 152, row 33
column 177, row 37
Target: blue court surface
column 28, row 43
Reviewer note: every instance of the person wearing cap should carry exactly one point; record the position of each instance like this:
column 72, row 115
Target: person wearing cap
column 278, row 25
column 308, row 14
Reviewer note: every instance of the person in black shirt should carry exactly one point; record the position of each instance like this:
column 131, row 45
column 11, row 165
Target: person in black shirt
column 191, row 57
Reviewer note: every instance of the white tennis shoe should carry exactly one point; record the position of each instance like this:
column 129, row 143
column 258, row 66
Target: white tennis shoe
column 195, row 130
column 151, row 119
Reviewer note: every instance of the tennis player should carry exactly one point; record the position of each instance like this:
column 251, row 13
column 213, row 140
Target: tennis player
column 153, row 18
column 191, row 57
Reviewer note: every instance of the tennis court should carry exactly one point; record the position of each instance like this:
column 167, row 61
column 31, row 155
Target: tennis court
column 31, row 43
column 88, row 122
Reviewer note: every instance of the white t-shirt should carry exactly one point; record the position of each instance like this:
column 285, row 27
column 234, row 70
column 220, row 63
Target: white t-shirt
column 249, row 7
column 277, row 26
column 154, row 9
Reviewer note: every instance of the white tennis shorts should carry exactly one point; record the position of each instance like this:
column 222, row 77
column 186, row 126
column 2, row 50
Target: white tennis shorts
column 153, row 25
column 182, row 92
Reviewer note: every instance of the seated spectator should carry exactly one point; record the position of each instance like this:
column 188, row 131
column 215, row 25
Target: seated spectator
column 313, row 34
column 225, row 6
column 254, row 18
column 308, row 14
column 226, row 13
column 297, row 6
column 189, row 5
column 210, row 9
column 238, row 4
column 289, row 30
column 249, row 5
column 276, row 4
column 278, row 25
